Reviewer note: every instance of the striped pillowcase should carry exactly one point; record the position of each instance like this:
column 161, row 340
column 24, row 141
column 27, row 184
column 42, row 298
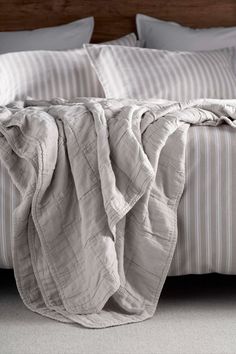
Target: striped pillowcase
column 48, row 74
column 151, row 73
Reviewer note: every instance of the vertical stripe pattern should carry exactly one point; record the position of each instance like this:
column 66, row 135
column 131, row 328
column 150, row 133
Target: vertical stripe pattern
column 150, row 73
column 9, row 199
column 48, row 74
column 206, row 223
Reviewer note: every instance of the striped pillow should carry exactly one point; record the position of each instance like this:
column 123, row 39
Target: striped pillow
column 151, row 73
column 48, row 74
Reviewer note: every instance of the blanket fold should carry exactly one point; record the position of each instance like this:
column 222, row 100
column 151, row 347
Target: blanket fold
column 100, row 182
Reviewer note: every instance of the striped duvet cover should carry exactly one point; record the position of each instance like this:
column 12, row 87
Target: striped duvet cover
column 206, row 222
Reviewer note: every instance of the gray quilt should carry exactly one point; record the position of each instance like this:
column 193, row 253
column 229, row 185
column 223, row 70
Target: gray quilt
column 100, row 183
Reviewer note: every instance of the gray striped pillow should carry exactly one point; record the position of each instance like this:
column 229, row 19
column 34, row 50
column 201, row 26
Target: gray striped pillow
column 151, row 73
column 48, row 74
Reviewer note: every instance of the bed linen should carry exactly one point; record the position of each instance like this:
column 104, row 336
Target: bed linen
column 42, row 74
column 151, row 73
column 206, row 237
column 68, row 36
column 100, row 185
column 167, row 35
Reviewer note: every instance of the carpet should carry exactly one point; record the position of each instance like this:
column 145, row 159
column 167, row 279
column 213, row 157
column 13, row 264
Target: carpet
column 196, row 315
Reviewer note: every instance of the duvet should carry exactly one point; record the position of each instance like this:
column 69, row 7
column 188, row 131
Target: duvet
column 100, row 183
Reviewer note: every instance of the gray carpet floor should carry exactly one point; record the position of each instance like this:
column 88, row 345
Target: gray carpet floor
column 196, row 314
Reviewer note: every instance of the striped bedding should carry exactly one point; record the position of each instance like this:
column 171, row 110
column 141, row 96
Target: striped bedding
column 142, row 73
column 44, row 74
column 207, row 236
column 206, row 222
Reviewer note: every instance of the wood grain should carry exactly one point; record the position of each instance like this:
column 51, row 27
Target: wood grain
column 114, row 18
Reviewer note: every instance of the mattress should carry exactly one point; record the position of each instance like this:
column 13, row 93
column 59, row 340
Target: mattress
column 206, row 222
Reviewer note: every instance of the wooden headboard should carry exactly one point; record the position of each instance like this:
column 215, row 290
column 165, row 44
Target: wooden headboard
column 114, row 18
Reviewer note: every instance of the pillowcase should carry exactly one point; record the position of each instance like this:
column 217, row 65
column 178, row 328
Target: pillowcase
column 47, row 74
column 172, row 36
column 69, row 36
column 150, row 73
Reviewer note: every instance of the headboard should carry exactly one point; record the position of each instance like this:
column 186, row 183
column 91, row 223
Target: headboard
column 114, row 18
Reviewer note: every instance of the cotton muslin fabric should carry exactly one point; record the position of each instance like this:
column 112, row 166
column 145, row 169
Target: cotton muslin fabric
column 100, row 183
column 206, row 241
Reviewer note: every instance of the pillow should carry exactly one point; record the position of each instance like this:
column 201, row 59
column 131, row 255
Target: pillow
column 150, row 73
column 69, row 36
column 172, row 36
column 47, row 74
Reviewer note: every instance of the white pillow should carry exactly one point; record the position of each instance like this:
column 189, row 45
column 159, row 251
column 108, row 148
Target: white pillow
column 172, row 36
column 150, row 73
column 48, row 74
column 69, row 36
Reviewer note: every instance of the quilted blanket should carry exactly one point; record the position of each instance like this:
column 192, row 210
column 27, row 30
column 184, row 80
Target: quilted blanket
column 100, row 182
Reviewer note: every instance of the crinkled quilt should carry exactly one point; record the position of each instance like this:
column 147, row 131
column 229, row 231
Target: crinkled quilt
column 100, row 182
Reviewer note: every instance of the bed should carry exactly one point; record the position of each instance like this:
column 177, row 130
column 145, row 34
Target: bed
column 205, row 215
